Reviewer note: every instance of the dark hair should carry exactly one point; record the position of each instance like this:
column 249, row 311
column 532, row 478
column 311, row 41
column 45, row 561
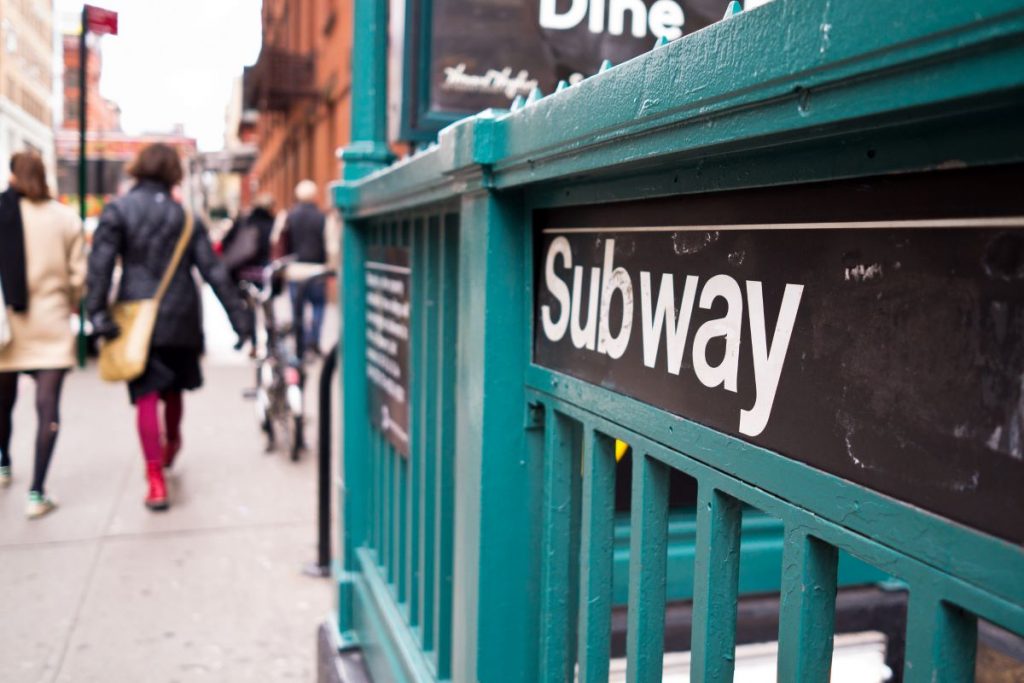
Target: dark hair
column 157, row 162
column 30, row 176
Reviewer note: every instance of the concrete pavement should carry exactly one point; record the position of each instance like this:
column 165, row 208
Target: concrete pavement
column 104, row 590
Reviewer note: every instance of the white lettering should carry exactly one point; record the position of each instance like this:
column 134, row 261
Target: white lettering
column 617, row 17
column 614, row 279
column 666, row 19
column 596, row 19
column 550, row 18
column 728, row 326
column 493, row 81
column 767, row 361
column 555, row 329
column 662, row 317
column 584, row 337
column 665, row 310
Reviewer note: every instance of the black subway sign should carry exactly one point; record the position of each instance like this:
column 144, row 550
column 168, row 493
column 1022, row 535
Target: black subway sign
column 886, row 350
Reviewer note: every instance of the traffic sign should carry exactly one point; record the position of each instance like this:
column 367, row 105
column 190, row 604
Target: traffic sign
column 100, row 21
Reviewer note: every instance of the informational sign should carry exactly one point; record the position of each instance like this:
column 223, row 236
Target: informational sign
column 476, row 54
column 863, row 328
column 387, row 342
column 100, row 21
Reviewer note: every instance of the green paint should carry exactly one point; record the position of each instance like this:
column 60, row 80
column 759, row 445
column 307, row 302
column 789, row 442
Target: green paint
column 807, row 611
column 760, row 546
column 368, row 149
column 421, row 430
column 444, row 490
column 597, row 539
column 390, row 646
column 495, row 573
column 355, row 494
column 941, row 640
column 647, row 570
column 716, row 577
column 557, row 656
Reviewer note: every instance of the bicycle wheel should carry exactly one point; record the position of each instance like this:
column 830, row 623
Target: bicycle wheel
column 297, row 438
column 284, row 428
column 268, row 429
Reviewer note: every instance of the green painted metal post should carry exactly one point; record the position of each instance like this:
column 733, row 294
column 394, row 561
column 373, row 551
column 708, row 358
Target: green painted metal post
column 368, row 149
column 716, row 576
column 596, row 552
column 556, row 660
column 942, row 640
column 807, row 612
column 495, row 572
column 367, row 152
column 648, row 565
column 356, row 450
column 422, row 430
column 441, row 569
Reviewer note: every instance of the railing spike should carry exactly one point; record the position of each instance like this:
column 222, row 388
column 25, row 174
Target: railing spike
column 733, row 9
column 562, row 85
column 662, row 40
column 518, row 103
column 535, row 96
column 605, row 65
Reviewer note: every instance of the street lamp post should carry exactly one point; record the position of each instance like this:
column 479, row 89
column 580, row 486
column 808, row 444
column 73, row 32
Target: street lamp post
column 82, row 172
column 99, row 21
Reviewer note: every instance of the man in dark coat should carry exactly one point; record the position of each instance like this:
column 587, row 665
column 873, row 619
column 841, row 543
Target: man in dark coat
column 245, row 254
column 303, row 237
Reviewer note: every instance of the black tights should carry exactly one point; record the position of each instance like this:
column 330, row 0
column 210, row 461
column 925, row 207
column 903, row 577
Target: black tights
column 48, row 387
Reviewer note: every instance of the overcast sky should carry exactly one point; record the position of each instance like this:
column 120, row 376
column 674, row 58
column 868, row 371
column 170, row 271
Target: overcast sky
column 174, row 60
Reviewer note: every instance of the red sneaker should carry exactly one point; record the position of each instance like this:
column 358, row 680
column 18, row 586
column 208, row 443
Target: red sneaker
column 156, row 498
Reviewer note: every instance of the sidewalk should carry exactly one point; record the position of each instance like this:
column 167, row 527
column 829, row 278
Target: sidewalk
column 104, row 590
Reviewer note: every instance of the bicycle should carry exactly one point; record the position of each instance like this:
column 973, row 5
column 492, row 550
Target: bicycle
column 280, row 375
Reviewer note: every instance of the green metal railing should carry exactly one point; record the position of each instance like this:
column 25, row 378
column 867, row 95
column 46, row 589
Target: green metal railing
column 944, row 605
column 408, row 507
column 494, row 552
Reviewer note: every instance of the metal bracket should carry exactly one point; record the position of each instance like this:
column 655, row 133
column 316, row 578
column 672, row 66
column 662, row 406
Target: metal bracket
column 534, row 416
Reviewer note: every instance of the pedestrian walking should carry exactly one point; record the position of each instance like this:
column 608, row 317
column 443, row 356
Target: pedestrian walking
column 42, row 272
column 303, row 238
column 246, row 249
column 143, row 229
column 246, row 246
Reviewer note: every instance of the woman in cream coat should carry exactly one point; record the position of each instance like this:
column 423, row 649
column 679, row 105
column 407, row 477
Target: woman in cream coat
column 42, row 270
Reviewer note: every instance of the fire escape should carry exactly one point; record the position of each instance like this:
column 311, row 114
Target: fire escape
column 278, row 80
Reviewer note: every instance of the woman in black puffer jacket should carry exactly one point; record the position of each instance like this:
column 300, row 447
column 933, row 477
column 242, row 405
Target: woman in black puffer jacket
column 142, row 228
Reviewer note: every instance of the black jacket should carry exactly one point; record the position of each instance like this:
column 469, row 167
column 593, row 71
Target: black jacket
column 304, row 233
column 263, row 221
column 142, row 228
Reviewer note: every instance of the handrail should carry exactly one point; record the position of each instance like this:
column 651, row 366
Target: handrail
column 322, row 566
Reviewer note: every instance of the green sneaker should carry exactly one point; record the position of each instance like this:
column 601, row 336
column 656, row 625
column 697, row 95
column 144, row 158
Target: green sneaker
column 38, row 505
column 5, row 476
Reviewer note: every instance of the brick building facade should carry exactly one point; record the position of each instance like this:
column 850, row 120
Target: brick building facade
column 102, row 115
column 300, row 86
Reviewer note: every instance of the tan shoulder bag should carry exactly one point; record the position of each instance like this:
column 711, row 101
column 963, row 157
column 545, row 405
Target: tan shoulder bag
column 124, row 358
